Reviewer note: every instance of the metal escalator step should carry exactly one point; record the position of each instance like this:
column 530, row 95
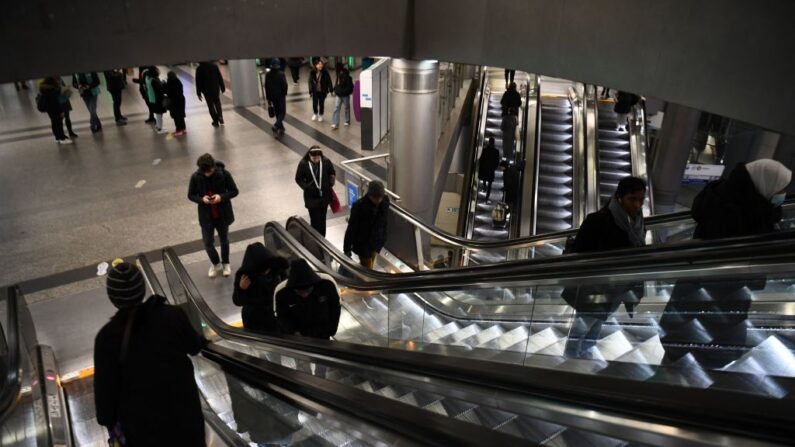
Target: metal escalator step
column 555, row 201
column 556, row 157
column 556, row 102
column 554, row 213
column 616, row 164
column 556, row 146
column 558, row 118
column 611, row 132
column 556, row 127
column 554, row 191
column 612, row 175
column 549, row 180
column 614, row 153
column 551, row 225
column 533, row 430
column 455, row 407
column 557, row 170
column 612, row 143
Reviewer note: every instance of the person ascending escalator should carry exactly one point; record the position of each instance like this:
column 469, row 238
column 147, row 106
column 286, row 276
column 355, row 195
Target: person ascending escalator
column 618, row 225
column 255, row 283
column 707, row 318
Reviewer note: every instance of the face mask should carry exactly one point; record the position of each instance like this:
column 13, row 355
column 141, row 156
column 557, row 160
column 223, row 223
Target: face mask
column 777, row 200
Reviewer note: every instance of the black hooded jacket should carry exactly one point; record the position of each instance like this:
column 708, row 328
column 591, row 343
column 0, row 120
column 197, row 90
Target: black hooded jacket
column 367, row 227
column 275, row 85
column 732, row 207
column 304, row 177
column 257, row 301
column 488, row 163
column 511, row 99
column 316, row 315
column 221, row 183
column 51, row 91
column 153, row 394
column 209, row 81
column 625, row 102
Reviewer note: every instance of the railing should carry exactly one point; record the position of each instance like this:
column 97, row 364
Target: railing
column 638, row 142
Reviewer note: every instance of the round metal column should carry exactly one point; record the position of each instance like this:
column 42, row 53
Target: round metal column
column 245, row 83
column 676, row 140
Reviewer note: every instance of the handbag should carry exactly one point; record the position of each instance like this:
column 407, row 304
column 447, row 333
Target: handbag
column 336, row 207
column 271, row 111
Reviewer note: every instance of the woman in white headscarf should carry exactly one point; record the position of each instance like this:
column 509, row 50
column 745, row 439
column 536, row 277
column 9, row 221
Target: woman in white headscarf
column 745, row 203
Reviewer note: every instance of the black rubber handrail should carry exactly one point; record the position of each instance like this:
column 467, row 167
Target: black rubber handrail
column 12, row 382
column 668, row 403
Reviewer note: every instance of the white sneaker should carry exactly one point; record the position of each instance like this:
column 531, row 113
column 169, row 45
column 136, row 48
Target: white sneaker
column 334, row 127
column 320, row 118
column 66, row 141
column 347, row 124
column 161, row 131
column 314, row 117
column 214, row 270
column 227, row 270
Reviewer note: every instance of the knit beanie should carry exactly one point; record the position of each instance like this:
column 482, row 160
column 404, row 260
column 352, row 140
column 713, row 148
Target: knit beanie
column 126, row 285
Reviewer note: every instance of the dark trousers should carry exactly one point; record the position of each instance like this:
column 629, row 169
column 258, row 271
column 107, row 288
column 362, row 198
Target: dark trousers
column 487, row 185
column 116, row 95
column 509, row 74
column 280, row 107
column 318, row 103
column 294, row 71
column 149, row 107
column 57, row 125
column 179, row 123
column 214, row 106
column 208, row 236
column 68, row 122
column 317, row 217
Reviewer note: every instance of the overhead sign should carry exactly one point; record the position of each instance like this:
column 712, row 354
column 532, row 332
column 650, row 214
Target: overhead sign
column 699, row 173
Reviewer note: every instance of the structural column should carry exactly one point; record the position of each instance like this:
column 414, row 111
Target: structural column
column 245, row 82
column 679, row 127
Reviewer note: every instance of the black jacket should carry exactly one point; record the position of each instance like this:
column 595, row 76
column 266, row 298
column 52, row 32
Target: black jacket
column 114, row 80
column 326, row 86
column 314, row 316
column 304, row 177
column 511, row 179
column 209, row 81
column 511, row 98
column 153, row 394
column 732, row 207
column 488, row 163
column 599, row 232
column 52, row 94
column 176, row 98
column 625, row 101
column 275, row 86
column 367, row 227
column 257, row 301
column 344, row 85
column 222, row 183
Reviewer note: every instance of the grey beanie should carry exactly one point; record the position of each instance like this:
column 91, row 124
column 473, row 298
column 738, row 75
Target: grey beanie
column 126, row 285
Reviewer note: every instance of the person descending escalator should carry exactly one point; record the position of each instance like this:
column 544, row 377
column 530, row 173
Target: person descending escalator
column 511, row 99
column 144, row 386
column 307, row 304
column 618, row 225
column 511, row 182
column 509, row 75
column 367, row 227
column 624, row 103
column 255, row 284
column 704, row 314
column 508, row 126
column 488, row 163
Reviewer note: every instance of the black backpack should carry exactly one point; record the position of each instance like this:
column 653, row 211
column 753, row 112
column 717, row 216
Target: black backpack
column 41, row 103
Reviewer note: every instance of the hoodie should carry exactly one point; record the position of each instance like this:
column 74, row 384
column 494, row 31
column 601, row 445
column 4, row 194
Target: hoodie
column 316, row 315
column 266, row 271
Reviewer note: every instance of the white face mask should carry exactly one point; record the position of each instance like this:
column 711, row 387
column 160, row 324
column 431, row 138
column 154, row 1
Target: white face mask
column 778, row 199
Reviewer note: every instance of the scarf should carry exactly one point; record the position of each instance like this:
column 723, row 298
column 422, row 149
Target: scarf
column 150, row 92
column 635, row 228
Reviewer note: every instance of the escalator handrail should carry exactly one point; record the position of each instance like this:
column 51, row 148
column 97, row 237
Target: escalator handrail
column 424, row 427
column 12, row 382
column 704, row 408
column 149, row 275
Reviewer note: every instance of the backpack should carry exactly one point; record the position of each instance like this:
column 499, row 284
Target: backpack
column 41, row 103
column 499, row 215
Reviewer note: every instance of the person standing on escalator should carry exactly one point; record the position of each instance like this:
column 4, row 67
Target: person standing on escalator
column 307, row 304
column 367, row 227
column 511, row 99
column 508, row 126
column 488, row 163
column 255, row 284
column 624, row 103
column 144, row 385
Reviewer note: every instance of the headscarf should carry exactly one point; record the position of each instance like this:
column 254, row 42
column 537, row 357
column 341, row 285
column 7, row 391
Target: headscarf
column 768, row 176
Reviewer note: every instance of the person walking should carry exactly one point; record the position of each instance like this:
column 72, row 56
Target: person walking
column 176, row 103
column 276, row 95
column 319, row 87
column 88, row 86
column 624, row 103
column 66, row 107
column 295, row 68
column 156, row 94
column 307, row 304
column 508, row 126
column 343, row 91
column 255, row 285
column 316, row 177
column 144, row 385
column 210, row 84
column 488, row 163
column 141, row 81
column 50, row 91
column 114, row 81
column 511, row 99
column 212, row 188
column 367, row 227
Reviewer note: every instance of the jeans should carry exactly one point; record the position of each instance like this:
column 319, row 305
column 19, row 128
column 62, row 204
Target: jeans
column 91, row 105
column 338, row 103
column 116, row 95
column 280, row 107
column 317, row 218
column 57, row 125
column 208, row 236
column 159, row 121
column 318, row 103
column 214, row 106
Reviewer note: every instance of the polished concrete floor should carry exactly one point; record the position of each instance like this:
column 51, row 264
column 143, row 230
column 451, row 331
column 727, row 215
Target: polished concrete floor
column 123, row 191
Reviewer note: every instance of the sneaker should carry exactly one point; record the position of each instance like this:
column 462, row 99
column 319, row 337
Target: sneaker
column 227, row 270
column 348, row 123
column 215, row 123
column 72, row 135
column 65, row 141
column 221, row 121
column 334, row 127
column 320, row 118
column 314, row 117
column 161, row 131
column 178, row 133
column 214, row 270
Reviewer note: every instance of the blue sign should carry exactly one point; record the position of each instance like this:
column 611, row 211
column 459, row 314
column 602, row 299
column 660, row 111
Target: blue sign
column 353, row 192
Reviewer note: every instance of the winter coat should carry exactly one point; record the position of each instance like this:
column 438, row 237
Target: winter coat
column 511, row 99
column 52, row 94
column 176, row 98
column 305, row 179
column 209, row 81
column 114, row 80
column 625, row 101
column 326, row 86
column 511, row 178
column 599, row 232
column 257, row 301
column 488, row 163
column 221, row 183
column 275, row 86
column 367, row 227
column 317, row 315
column 90, row 86
column 295, row 62
column 153, row 395
column 344, row 85
column 141, row 81
column 732, row 207
column 159, row 94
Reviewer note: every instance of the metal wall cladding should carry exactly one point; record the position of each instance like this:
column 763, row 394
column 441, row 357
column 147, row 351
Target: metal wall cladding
column 417, row 77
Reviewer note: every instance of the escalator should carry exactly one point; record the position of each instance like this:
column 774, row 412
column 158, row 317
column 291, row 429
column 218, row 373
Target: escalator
column 613, row 150
column 555, row 182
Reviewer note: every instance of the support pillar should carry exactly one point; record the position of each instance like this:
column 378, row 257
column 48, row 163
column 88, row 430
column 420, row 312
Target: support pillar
column 679, row 127
column 245, row 82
